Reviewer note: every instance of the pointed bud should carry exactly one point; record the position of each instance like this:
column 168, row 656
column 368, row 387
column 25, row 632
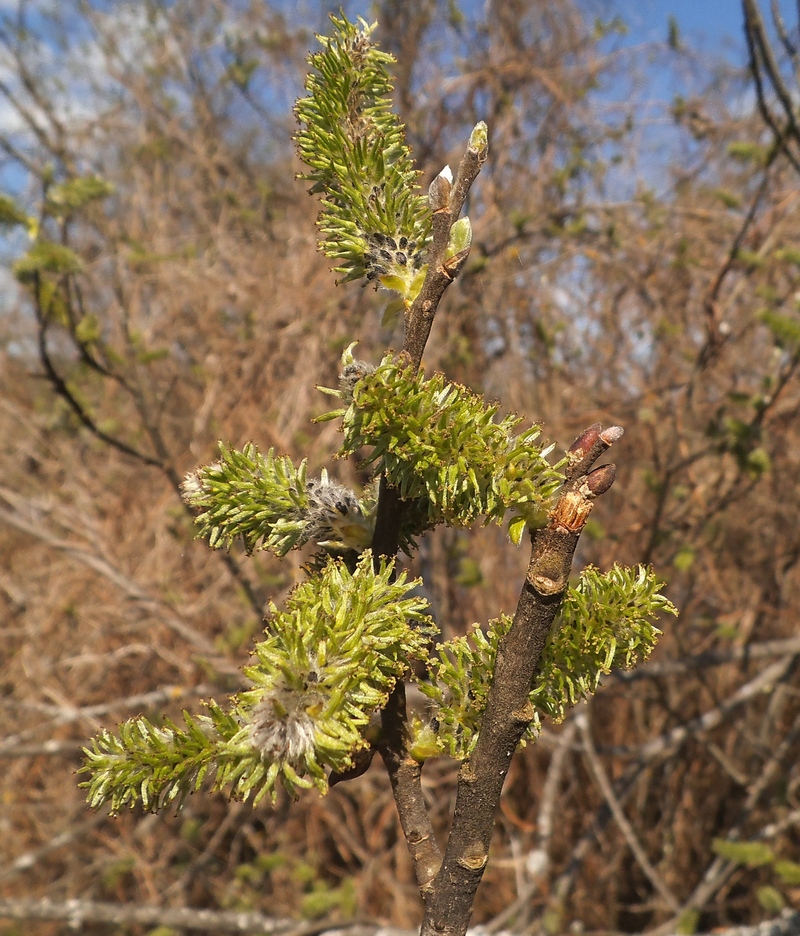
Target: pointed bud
column 612, row 434
column 439, row 190
column 479, row 139
column 583, row 444
column 601, row 479
column 460, row 237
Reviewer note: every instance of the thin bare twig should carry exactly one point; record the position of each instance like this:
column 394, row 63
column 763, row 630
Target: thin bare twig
column 26, row 861
column 606, row 788
column 22, row 516
column 721, row 868
column 64, row 715
column 78, row 912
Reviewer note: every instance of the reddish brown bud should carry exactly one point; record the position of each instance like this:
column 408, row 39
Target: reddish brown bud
column 601, row 479
column 581, row 447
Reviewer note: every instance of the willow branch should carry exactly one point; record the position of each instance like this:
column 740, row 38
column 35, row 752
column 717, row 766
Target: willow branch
column 441, row 272
column 509, row 711
column 405, row 774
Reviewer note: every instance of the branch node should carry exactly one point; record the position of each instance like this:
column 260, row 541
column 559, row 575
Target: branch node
column 474, row 860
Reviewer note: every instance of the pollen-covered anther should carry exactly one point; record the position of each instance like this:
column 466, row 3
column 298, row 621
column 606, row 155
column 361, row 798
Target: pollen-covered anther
column 386, row 255
column 281, row 728
column 335, row 518
column 191, row 486
column 194, row 485
column 350, row 376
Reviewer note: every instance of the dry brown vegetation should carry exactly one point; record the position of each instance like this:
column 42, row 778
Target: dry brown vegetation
column 593, row 292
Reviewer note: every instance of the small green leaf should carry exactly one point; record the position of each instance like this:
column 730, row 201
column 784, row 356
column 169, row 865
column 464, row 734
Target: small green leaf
column 239, row 73
column 788, row 872
column 749, row 854
column 46, row 257
column 469, row 573
column 70, row 196
column 687, row 922
column 392, row 312
column 87, row 331
column 771, row 899
column 684, row 558
column 757, row 463
column 729, row 199
column 10, row 212
column 747, row 152
column 154, row 354
column 789, row 255
column 785, row 329
column 750, row 258
column 515, row 529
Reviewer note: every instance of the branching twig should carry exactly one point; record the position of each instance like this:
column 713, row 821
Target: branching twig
column 26, row 861
column 762, row 61
column 721, row 868
column 668, row 743
column 441, row 273
column 702, row 661
column 657, row 749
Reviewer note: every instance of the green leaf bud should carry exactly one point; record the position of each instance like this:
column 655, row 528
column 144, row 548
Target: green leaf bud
column 479, row 138
column 460, row 237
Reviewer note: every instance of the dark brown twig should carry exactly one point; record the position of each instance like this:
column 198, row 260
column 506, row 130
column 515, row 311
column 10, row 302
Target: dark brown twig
column 441, row 272
column 404, row 772
column 763, row 64
column 508, row 711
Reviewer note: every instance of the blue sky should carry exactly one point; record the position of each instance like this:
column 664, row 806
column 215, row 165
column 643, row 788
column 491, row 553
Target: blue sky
column 709, row 22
